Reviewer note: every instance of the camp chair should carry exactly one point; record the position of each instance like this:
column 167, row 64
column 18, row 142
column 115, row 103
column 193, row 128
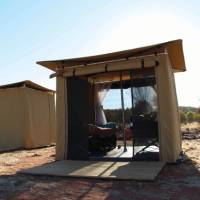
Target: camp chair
column 145, row 132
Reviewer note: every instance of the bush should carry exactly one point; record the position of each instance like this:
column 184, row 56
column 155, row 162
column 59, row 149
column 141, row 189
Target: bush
column 183, row 117
column 197, row 117
column 190, row 116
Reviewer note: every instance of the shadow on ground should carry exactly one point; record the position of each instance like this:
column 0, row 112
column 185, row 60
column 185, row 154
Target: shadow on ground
column 177, row 181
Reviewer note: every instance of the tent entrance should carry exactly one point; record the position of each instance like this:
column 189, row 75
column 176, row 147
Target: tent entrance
column 132, row 134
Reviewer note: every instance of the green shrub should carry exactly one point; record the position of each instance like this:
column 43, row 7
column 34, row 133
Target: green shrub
column 197, row 117
column 190, row 116
column 183, row 117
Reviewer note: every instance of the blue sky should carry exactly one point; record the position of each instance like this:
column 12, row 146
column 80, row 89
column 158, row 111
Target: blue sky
column 48, row 29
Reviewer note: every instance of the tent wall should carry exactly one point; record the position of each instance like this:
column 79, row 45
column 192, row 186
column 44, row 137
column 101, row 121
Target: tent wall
column 27, row 118
column 12, row 117
column 52, row 117
column 168, row 114
column 61, row 118
column 40, row 114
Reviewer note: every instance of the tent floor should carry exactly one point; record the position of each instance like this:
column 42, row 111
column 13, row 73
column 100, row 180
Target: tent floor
column 118, row 154
column 99, row 169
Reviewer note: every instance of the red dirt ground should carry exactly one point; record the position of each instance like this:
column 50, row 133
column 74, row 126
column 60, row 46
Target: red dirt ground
column 177, row 181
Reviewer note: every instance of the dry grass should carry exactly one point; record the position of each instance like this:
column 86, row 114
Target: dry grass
column 13, row 161
column 192, row 125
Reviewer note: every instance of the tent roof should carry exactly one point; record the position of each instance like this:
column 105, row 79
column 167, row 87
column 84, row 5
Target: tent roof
column 174, row 49
column 28, row 84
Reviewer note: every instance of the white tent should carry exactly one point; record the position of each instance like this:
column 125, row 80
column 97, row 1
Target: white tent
column 27, row 116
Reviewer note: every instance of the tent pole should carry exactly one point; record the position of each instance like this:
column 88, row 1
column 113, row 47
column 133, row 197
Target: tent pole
column 94, row 102
column 123, row 119
column 131, row 77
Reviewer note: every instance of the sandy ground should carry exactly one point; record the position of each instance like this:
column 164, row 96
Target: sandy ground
column 177, row 181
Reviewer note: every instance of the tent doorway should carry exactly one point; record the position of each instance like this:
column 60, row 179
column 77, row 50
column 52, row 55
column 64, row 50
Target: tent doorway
column 131, row 131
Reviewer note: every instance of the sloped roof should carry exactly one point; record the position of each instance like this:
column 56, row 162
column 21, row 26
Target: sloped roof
column 28, row 84
column 174, row 49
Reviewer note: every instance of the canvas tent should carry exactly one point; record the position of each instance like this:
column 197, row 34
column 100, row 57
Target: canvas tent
column 73, row 83
column 27, row 116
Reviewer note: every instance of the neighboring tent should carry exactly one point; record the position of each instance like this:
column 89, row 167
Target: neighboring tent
column 27, row 116
column 73, row 76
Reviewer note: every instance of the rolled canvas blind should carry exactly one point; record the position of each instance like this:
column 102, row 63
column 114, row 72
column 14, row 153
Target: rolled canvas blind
column 134, row 63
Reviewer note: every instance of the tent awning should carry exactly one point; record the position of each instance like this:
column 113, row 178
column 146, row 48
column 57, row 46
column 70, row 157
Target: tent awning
column 174, row 49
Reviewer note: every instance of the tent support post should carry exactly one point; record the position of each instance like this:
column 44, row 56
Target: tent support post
column 123, row 119
column 131, row 77
column 61, row 119
column 93, row 90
